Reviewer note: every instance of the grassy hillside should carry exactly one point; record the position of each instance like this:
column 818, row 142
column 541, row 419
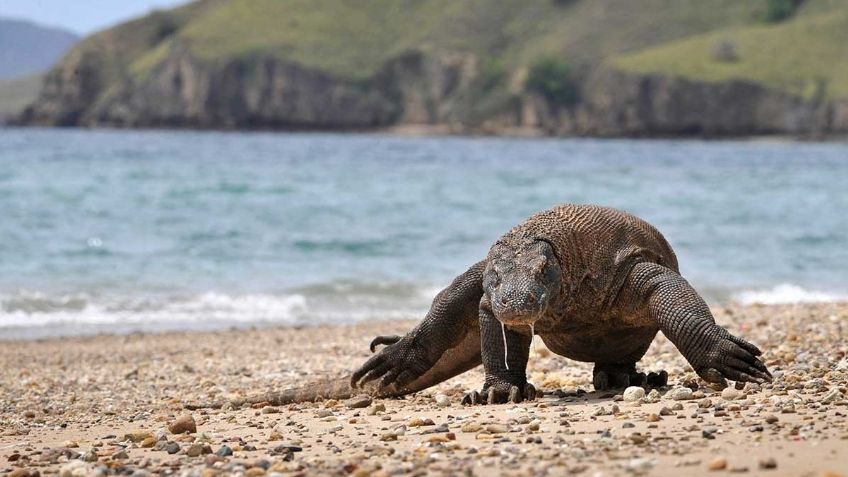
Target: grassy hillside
column 353, row 38
column 15, row 93
column 806, row 55
column 489, row 64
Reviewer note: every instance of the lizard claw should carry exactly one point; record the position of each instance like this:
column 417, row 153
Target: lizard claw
column 472, row 399
column 731, row 357
column 398, row 364
column 383, row 340
column 501, row 394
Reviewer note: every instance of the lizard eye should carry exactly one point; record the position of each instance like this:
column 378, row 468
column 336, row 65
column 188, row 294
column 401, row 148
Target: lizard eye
column 538, row 264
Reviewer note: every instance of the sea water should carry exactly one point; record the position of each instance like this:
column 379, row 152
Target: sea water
column 117, row 231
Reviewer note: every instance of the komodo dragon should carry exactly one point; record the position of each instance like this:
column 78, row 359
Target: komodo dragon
column 595, row 283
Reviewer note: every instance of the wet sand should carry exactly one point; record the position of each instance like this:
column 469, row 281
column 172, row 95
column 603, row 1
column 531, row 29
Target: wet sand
column 90, row 406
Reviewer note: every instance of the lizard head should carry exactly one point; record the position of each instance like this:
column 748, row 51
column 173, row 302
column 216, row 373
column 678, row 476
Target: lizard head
column 521, row 279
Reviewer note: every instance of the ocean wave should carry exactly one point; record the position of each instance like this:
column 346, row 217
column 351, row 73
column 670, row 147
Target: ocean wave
column 38, row 309
column 786, row 293
column 28, row 314
column 32, row 314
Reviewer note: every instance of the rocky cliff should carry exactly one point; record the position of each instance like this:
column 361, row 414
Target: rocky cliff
column 416, row 89
column 155, row 72
column 623, row 104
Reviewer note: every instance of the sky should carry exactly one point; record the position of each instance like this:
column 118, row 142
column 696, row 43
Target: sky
column 80, row 16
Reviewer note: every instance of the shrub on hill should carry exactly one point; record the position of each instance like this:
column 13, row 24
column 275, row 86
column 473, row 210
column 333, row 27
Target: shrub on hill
column 553, row 78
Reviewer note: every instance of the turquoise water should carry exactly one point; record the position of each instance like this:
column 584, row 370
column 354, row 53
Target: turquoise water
column 118, row 231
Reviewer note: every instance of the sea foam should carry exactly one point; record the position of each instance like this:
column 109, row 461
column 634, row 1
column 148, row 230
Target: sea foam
column 786, row 293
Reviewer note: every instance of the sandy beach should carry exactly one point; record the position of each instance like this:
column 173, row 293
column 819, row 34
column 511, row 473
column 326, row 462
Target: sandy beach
column 104, row 404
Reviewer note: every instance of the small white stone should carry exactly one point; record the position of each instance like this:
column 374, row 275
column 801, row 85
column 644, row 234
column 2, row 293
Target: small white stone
column 831, row 396
column 75, row 468
column 634, row 394
column 680, row 393
column 442, row 400
column 653, row 396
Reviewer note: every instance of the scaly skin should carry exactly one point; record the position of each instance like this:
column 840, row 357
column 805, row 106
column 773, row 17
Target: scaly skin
column 595, row 283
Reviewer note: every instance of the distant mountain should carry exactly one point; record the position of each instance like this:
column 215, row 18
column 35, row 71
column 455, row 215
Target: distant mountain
column 27, row 48
column 563, row 67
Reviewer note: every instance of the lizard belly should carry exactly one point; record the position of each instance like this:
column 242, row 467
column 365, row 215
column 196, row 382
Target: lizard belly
column 601, row 344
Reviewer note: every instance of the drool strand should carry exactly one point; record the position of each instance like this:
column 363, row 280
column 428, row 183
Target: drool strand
column 532, row 335
column 503, row 330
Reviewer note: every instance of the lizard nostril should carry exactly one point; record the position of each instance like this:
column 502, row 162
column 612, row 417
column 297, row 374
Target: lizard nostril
column 504, row 301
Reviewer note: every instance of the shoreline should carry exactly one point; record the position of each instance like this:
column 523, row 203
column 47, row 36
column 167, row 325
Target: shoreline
column 110, row 398
column 447, row 131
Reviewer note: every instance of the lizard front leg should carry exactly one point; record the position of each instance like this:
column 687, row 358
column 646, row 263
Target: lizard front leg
column 505, row 352
column 443, row 345
column 684, row 317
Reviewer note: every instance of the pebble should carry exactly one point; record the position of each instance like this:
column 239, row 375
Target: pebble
column 471, row 427
column 418, row 422
column 768, row 463
column 224, row 451
column 442, row 400
column 75, row 468
column 137, row 436
column 640, row 465
column 831, row 396
column 653, row 396
column 359, row 402
column 718, row 463
column 89, row 456
column 183, row 424
column 497, row 428
column 148, row 442
column 196, row 450
column 171, row 447
column 730, row 394
column 634, row 394
column 680, row 393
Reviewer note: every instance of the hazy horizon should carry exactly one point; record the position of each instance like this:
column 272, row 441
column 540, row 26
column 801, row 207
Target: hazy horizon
column 82, row 18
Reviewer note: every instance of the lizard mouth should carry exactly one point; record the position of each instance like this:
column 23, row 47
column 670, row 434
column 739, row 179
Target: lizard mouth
column 528, row 313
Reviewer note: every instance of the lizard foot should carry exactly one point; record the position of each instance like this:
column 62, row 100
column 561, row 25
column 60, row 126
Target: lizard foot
column 730, row 357
column 398, row 364
column 607, row 377
column 500, row 394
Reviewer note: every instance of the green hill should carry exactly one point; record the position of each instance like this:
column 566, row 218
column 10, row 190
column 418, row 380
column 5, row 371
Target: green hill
column 355, row 37
column 462, row 63
column 807, row 56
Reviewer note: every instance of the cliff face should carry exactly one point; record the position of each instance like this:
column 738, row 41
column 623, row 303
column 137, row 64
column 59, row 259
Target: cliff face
column 258, row 92
column 267, row 64
column 620, row 104
column 415, row 89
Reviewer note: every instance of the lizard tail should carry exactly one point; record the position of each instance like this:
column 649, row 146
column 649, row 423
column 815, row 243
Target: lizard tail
column 335, row 389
